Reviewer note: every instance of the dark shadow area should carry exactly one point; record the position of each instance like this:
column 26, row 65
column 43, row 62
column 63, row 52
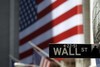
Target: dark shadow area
column 95, row 52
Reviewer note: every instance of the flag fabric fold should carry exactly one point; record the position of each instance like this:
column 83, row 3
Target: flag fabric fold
column 45, row 62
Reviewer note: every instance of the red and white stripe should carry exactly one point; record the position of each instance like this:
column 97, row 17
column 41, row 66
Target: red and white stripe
column 44, row 62
column 59, row 21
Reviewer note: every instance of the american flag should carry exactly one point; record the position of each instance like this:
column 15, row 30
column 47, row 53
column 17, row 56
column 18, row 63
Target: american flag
column 49, row 21
column 45, row 62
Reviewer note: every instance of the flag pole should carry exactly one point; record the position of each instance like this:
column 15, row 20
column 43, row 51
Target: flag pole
column 38, row 49
column 34, row 46
column 13, row 58
column 18, row 63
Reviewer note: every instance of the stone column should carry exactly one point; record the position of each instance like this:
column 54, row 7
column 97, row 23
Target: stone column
column 86, row 20
column 80, row 62
column 4, row 32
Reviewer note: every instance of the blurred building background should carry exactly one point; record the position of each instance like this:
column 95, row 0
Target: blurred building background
column 9, row 26
column 96, row 25
column 96, row 21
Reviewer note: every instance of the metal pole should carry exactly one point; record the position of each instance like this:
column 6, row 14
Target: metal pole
column 35, row 47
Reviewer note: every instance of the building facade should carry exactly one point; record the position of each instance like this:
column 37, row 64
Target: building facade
column 96, row 21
